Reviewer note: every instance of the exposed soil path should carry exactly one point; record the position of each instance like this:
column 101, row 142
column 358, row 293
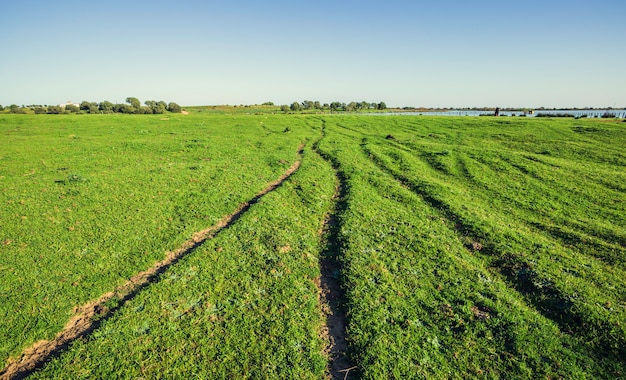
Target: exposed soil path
column 331, row 294
column 89, row 316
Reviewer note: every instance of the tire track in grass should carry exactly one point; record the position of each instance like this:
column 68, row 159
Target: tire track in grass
column 89, row 316
column 330, row 293
column 548, row 300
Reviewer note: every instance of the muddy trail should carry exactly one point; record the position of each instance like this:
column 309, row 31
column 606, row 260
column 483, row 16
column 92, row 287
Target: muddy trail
column 89, row 316
column 331, row 295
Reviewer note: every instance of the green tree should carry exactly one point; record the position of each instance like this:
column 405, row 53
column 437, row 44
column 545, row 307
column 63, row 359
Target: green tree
column 157, row 107
column 55, row 110
column 336, row 106
column 175, row 108
column 72, row 108
column 144, row 110
column 284, row 108
column 134, row 102
column 307, row 104
column 295, row 106
column 40, row 110
column 124, row 108
column 14, row 108
column 105, row 106
column 91, row 107
column 381, row 106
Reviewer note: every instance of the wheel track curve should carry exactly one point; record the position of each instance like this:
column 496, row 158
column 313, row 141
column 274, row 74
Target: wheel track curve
column 330, row 293
column 88, row 317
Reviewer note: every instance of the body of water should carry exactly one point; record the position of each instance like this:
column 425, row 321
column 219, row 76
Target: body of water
column 594, row 113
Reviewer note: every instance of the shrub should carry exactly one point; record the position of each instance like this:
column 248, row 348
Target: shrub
column 295, row 106
column 55, row 110
column 175, row 108
column 14, row 108
column 554, row 115
column 73, row 108
column 145, row 110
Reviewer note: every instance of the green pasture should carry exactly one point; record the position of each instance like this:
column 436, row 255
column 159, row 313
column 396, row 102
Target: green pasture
column 487, row 247
column 243, row 305
column 89, row 201
column 469, row 247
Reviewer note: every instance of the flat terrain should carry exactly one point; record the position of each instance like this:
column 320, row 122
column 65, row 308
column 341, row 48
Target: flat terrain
column 221, row 245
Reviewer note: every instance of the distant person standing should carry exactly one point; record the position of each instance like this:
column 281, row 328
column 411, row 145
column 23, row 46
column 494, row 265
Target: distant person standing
column 497, row 111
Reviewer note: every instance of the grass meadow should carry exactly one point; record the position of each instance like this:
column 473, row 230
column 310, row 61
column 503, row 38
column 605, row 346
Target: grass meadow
column 467, row 247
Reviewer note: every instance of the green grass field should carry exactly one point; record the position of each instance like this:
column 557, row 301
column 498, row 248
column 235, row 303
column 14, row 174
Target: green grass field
column 468, row 247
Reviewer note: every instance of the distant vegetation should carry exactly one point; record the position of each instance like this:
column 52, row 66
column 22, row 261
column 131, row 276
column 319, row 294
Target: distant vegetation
column 305, row 107
column 333, row 107
column 132, row 106
column 606, row 115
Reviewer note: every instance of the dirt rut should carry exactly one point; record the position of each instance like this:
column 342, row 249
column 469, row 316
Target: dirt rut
column 331, row 295
column 89, row 316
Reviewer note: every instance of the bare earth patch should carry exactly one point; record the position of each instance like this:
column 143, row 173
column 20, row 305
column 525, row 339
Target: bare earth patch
column 330, row 293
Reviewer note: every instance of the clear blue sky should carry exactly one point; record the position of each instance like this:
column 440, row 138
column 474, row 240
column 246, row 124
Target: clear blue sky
column 434, row 53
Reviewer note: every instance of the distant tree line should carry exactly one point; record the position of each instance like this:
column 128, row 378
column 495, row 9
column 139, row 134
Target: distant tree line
column 132, row 106
column 333, row 107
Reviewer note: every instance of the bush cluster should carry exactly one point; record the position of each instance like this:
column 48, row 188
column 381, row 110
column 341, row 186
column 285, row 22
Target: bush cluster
column 555, row 115
column 334, row 106
column 132, row 106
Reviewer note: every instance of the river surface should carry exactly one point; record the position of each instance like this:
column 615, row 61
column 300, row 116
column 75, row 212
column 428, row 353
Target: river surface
column 621, row 113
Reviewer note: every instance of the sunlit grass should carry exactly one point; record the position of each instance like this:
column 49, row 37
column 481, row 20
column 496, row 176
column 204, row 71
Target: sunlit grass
column 88, row 201
column 469, row 247
column 510, row 258
column 242, row 305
